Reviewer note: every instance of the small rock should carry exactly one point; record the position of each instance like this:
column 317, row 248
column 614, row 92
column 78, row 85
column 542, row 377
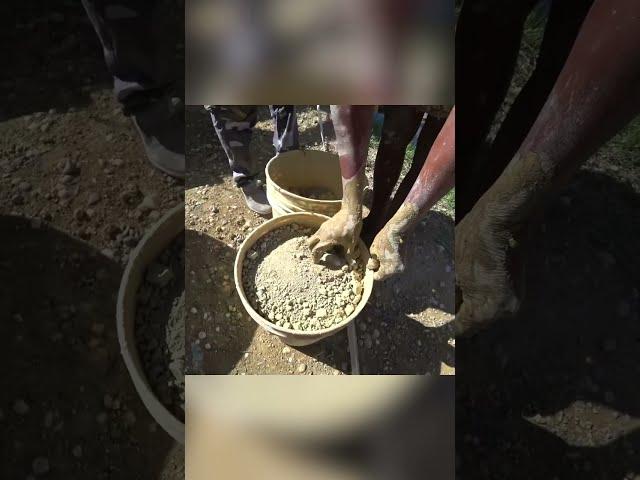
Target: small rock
column 202, row 335
column 93, row 198
column 286, row 350
column 148, row 203
column 77, row 451
column 20, row 407
column 349, row 309
column 321, row 312
column 194, row 310
column 302, row 368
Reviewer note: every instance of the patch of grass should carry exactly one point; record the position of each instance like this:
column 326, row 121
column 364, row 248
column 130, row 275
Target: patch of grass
column 627, row 141
column 447, row 204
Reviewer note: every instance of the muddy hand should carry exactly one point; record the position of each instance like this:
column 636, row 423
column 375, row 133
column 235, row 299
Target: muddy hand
column 341, row 230
column 385, row 258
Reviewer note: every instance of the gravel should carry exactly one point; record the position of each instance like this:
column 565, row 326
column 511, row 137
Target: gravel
column 284, row 285
column 160, row 320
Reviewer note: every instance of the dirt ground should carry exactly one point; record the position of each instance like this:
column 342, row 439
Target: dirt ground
column 405, row 328
column 73, row 173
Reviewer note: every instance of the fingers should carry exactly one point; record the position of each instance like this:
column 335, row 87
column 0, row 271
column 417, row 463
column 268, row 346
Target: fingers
column 320, row 248
column 313, row 240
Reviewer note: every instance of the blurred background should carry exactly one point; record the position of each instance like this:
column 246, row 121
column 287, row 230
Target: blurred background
column 366, row 427
column 358, row 52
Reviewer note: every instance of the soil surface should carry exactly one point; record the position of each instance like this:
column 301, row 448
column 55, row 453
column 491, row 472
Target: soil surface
column 285, row 286
column 75, row 177
column 159, row 329
column 405, row 327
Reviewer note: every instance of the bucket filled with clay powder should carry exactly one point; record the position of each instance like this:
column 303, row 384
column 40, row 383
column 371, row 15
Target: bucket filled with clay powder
column 288, row 294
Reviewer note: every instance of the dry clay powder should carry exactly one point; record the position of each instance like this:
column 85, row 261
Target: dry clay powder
column 284, row 285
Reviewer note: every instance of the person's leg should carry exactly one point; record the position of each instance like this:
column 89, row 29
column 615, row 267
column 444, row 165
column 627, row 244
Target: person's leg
column 488, row 37
column 139, row 51
column 596, row 94
column 399, row 127
column 428, row 134
column 561, row 30
column 234, row 127
column 285, row 128
column 436, row 178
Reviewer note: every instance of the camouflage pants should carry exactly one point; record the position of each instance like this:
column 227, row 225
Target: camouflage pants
column 138, row 44
column 234, row 125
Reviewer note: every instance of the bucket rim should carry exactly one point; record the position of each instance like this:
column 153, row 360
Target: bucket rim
column 279, row 189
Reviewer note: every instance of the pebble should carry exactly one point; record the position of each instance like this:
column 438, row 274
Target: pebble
column 286, row 350
column 148, row 203
column 302, row 368
column 207, row 346
column 93, row 198
column 194, row 310
column 21, row 407
column 349, row 309
column 202, row 335
column 321, row 312
column 77, row 451
column 40, row 465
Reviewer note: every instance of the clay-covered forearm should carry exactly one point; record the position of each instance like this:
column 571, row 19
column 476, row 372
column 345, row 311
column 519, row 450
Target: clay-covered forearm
column 436, row 178
column 352, row 124
column 596, row 94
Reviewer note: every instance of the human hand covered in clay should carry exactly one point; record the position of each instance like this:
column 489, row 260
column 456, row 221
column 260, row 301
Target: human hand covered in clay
column 385, row 257
column 341, row 230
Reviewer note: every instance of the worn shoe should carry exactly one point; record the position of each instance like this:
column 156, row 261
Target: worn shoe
column 161, row 127
column 256, row 198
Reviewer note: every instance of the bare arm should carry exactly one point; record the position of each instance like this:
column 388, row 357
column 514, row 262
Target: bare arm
column 352, row 124
column 436, row 178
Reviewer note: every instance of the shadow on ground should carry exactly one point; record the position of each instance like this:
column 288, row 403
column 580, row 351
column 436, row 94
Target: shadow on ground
column 209, row 267
column 553, row 393
column 412, row 311
column 59, row 332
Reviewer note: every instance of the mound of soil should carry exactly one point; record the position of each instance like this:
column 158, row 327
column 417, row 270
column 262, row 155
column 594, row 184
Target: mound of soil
column 160, row 320
column 284, row 285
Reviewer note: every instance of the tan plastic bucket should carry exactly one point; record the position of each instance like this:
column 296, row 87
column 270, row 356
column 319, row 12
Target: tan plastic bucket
column 303, row 169
column 152, row 244
column 289, row 336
